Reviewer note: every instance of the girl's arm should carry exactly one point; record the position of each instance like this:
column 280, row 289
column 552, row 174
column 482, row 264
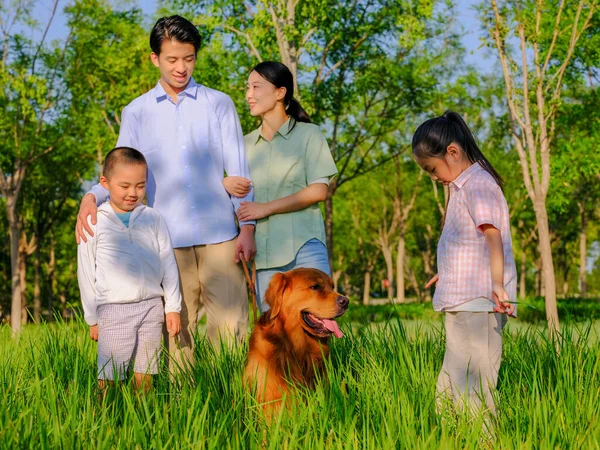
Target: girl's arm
column 493, row 238
column 311, row 194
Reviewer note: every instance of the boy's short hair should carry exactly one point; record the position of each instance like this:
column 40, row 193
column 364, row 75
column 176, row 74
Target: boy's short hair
column 174, row 28
column 122, row 155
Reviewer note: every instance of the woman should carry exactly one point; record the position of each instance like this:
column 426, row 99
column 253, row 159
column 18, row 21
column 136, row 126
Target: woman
column 290, row 166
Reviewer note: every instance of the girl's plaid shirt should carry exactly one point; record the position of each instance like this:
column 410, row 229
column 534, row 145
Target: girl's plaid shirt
column 463, row 258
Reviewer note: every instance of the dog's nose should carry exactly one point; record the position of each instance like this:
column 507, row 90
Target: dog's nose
column 343, row 301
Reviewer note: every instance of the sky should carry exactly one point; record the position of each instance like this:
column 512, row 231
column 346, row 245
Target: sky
column 480, row 58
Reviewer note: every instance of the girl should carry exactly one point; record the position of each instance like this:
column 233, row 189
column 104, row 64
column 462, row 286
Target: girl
column 290, row 166
column 476, row 278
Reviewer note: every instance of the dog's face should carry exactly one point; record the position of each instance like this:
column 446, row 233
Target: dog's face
column 305, row 298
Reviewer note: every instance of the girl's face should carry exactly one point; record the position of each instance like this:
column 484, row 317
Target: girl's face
column 445, row 169
column 262, row 96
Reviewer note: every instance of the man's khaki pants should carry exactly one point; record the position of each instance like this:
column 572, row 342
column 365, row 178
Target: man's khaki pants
column 209, row 277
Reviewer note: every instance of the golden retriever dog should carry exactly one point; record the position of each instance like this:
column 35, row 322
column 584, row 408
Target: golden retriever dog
column 289, row 342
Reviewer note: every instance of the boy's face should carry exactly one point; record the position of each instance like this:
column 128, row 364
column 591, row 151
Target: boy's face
column 176, row 63
column 126, row 186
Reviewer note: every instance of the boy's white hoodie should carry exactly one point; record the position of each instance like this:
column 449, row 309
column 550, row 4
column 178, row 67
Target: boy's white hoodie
column 122, row 264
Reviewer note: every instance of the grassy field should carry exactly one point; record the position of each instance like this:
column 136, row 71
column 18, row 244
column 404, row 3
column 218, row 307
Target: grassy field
column 379, row 393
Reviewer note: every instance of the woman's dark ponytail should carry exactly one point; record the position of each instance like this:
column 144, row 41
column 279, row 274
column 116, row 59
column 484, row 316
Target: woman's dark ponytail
column 433, row 137
column 296, row 112
column 279, row 75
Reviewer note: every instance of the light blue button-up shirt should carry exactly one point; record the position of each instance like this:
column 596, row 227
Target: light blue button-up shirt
column 188, row 145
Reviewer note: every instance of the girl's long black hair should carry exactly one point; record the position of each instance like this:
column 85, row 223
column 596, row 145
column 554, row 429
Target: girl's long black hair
column 279, row 75
column 433, row 137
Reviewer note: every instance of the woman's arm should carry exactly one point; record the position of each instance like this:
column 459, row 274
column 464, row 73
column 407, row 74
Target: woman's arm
column 311, row 194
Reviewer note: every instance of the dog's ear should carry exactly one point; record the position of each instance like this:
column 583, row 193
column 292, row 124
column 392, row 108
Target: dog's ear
column 274, row 294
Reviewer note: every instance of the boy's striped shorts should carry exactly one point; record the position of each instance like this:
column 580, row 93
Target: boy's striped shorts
column 129, row 336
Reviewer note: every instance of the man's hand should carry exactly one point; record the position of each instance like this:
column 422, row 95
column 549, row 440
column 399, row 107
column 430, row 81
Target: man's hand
column 434, row 280
column 237, row 186
column 173, row 321
column 245, row 247
column 88, row 207
column 501, row 300
column 94, row 332
column 253, row 211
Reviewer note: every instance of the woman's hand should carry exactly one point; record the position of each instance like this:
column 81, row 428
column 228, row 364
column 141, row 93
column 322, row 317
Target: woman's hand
column 253, row 211
column 237, row 186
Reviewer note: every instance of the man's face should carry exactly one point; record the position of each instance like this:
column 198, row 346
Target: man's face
column 176, row 63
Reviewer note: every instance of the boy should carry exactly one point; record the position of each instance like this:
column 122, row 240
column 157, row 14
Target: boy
column 123, row 271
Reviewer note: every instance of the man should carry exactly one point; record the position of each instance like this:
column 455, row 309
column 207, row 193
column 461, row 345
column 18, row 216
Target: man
column 190, row 134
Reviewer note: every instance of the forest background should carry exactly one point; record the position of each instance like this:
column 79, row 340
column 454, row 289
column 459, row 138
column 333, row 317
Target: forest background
column 368, row 72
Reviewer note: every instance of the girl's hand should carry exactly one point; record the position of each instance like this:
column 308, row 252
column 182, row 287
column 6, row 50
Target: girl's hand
column 237, row 186
column 502, row 301
column 252, row 211
column 94, row 332
column 434, row 280
column 173, row 320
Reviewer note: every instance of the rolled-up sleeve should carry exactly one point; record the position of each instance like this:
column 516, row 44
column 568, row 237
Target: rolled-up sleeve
column 484, row 203
column 319, row 161
column 234, row 149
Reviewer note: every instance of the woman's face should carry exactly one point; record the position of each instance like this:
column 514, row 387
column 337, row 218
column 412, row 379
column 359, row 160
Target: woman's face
column 262, row 96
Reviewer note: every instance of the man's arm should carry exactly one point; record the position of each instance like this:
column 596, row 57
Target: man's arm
column 97, row 194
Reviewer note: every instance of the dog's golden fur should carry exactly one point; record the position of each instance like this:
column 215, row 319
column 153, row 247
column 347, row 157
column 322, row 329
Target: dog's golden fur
column 289, row 341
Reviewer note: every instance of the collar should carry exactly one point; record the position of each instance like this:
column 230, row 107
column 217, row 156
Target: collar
column 466, row 175
column 109, row 212
column 284, row 131
column 191, row 90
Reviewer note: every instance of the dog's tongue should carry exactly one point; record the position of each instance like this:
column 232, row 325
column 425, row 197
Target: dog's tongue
column 332, row 326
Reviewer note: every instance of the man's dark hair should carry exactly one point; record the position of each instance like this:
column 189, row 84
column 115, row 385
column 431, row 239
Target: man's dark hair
column 122, row 155
column 175, row 28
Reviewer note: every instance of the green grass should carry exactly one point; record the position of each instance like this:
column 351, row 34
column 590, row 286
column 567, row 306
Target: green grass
column 379, row 393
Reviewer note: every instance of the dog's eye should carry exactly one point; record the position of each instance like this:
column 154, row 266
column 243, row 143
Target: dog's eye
column 315, row 287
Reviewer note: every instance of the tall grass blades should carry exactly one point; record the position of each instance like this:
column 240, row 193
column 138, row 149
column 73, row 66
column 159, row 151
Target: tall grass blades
column 378, row 392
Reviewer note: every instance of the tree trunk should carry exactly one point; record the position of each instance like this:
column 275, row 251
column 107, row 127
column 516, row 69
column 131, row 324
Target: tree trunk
column 63, row 305
column 523, row 274
column 329, row 220
column 538, row 277
column 337, row 274
column 583, row 253
column 37, row 302
column 387, row 256
column 548, row 277
column 23, row 278
column 51, row 277
column 15, row 234
column 400, row 297
column 367, row 288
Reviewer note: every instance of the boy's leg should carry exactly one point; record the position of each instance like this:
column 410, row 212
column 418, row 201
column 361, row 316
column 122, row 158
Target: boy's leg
column 117, row 334
column 181, row 348
column 149, row 341
column 224, row 293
